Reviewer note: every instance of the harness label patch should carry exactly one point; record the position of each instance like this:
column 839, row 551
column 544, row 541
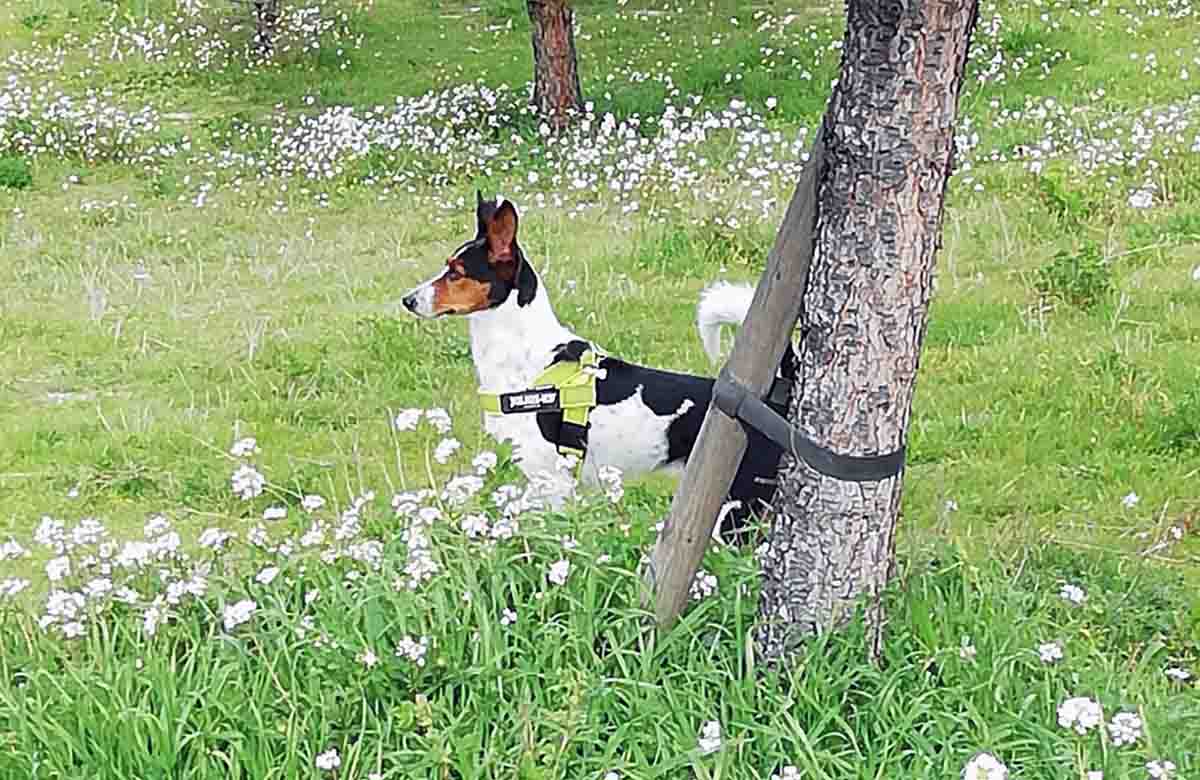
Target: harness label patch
column 529, row 401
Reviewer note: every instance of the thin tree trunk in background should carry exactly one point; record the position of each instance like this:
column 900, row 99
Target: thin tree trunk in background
column 266, row 20
column 889, row 143
column 556, row 91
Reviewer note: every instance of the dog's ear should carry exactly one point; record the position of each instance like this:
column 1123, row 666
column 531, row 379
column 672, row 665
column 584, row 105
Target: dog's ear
column 483, row 213
column 498, row 225
column 527, row 281
column 502, row 233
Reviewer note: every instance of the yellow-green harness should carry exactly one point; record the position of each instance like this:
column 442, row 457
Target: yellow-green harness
column 567, row 386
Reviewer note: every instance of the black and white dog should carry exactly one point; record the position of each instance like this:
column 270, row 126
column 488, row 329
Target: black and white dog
column 646, row 419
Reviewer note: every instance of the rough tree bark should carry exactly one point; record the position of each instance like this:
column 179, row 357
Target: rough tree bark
column 889, row 143
column 556, row 91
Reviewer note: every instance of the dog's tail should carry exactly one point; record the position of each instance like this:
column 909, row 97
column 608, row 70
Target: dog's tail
column 721, row 303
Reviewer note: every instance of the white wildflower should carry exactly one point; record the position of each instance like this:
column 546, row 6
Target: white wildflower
column 1130, row 501
column 12, row 586
column 413, row 650
column 1050, row 652
column 508, row 617
column 1161, row 769
column 1080, row 714
column 267, row 575
column 445, row 449
column 1125, row 728
column 1178, row 675
column 72, row 629
column 406, row 419
column 439, row 419
column 329, row 760
column 154, row 615
column 985, row 766
column 368, row 658
column 89, row 531
column 314, row 536
column 257, row 536
column 274, row 513
column 1141, row 199
column 156, row 526
column 11, row 550
column 610, row 479
column 62, row 606
column 559, row 571
column 710, row 737
column 51, row 534
column 98, row 587
column 58, row 568
column 505, row 528
column 484, row 462
column 428, row 515
column 369, row 552
column 237, row 614
column 1073, row 593
column 247, row 482
column 126, row 595
column 474, row 525
column 703, row 585
column 244, row 447
column 461, row 489
column 214, row 538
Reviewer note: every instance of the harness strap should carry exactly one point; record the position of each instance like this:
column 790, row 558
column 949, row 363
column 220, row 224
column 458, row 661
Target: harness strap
column 568, row 387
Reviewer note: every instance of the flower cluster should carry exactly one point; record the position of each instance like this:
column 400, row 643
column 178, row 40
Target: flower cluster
column 1080, row 714
column 40, row 119
column 1125, row 728
column 710, row 737
column 985, row 766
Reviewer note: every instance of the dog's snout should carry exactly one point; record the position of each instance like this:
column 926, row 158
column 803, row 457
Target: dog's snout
column 410, row 302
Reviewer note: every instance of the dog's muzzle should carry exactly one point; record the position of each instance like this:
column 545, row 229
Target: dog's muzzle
column 410, row 302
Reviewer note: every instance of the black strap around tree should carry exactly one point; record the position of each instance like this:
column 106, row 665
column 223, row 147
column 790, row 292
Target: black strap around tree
column 732, row 398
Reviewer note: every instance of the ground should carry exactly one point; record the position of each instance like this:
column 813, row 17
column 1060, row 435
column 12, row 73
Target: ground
column 200, row 247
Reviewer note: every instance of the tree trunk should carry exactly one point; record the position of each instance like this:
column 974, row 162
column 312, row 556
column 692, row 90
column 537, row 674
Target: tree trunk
column 266, row 20
column 556, row 90
column 889, row 142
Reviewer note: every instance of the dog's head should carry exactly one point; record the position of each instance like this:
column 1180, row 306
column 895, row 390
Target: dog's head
column 482, row 273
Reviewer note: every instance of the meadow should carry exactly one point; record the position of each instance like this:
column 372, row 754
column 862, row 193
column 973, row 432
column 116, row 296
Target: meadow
column 250, row 526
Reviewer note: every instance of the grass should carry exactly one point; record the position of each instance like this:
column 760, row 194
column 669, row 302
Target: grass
column 155, row 308
column 577, row 686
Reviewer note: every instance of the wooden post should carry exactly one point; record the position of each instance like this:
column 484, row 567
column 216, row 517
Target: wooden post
column 757, row 350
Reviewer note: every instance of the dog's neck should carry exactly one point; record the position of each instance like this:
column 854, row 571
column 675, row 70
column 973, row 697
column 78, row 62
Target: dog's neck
column 511, row 344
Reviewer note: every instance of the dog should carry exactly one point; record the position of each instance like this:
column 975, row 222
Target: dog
column 644, row 420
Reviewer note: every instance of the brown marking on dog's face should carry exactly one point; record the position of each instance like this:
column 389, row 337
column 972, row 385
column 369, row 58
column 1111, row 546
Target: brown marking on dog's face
column 457, row 292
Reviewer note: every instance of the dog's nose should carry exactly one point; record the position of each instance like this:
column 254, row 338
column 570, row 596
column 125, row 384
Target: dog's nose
column 410, row 302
